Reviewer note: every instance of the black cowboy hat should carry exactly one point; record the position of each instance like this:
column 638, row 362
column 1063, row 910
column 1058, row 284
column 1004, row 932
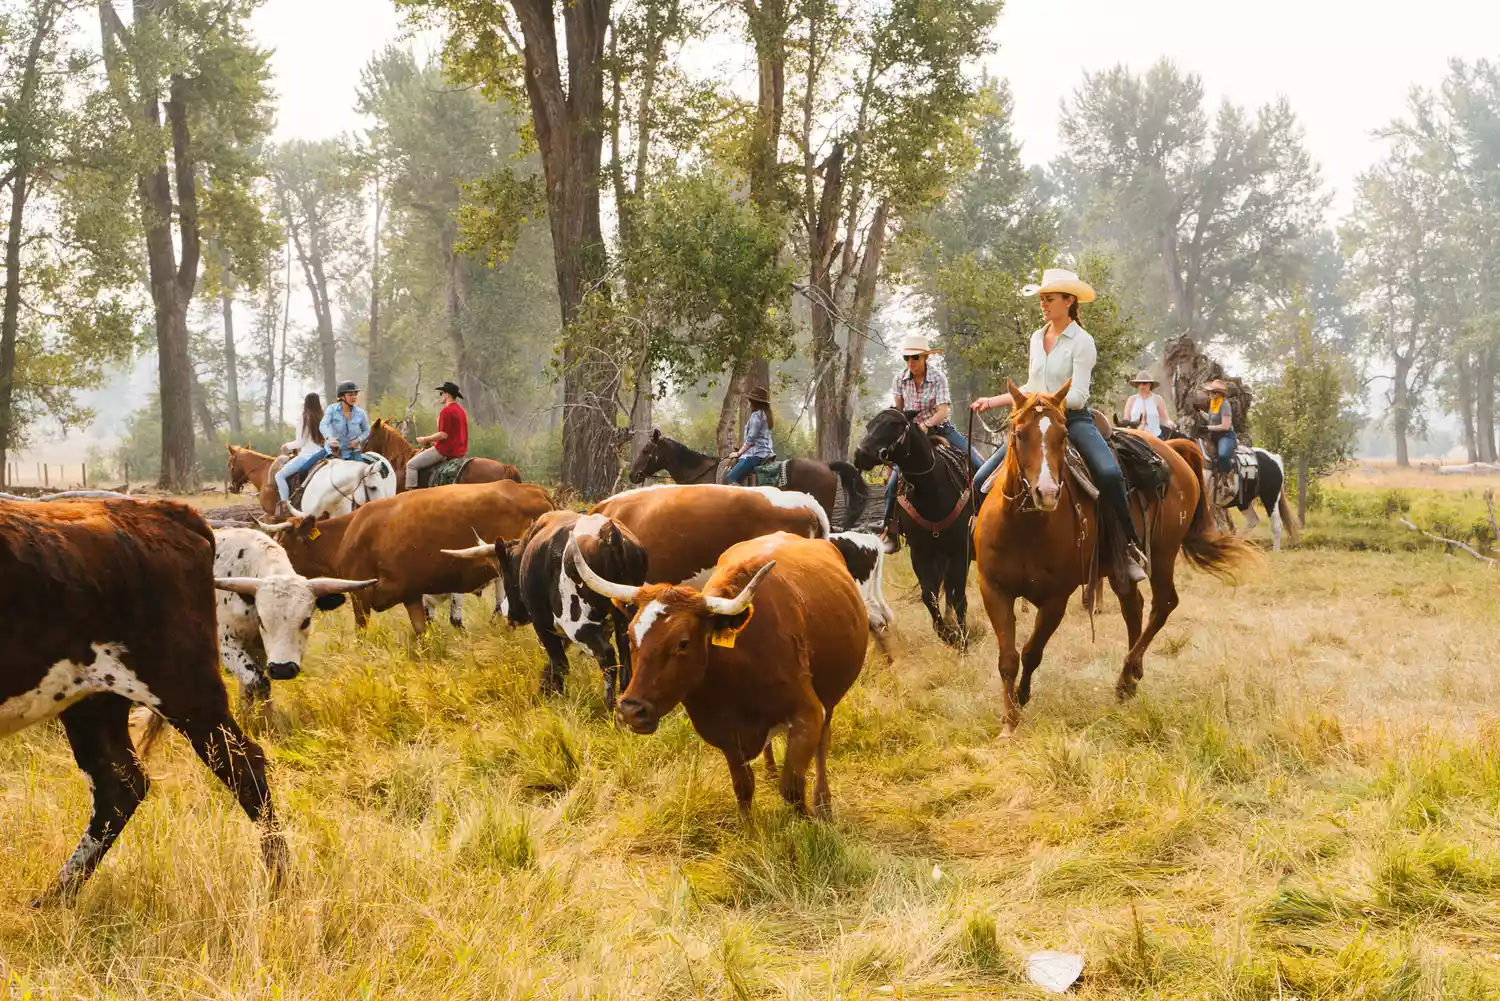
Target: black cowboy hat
column 451, row 388
column 759, row 395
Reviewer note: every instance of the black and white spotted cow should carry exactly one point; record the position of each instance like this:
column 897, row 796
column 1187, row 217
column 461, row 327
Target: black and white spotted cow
column 864, row 554
column 537, row 586
column 110, row 604
column 266, row 608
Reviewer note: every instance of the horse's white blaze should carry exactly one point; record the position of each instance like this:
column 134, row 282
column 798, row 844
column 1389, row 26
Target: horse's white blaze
column 794, row 500
column 647, row 619
column 66, row 682
column 1046, row 481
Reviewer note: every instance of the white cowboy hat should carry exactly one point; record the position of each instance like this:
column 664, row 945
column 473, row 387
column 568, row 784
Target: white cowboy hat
column 1058, row 280
column 913, row 344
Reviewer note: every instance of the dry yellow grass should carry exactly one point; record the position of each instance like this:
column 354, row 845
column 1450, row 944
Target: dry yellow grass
column 1302, row 803
column 1386, row 476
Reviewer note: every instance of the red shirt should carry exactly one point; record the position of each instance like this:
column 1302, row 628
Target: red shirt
column 455, row 422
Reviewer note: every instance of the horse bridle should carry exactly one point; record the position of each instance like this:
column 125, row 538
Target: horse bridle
column 884, row 453
column 1025, row 495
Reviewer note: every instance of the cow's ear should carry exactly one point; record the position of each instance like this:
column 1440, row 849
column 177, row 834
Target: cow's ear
column 329, row 602
column 725, row 629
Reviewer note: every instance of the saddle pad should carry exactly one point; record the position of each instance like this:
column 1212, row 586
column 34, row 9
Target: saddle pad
column 446, row 473
column 1144, row 469
column 1245, row 459
column 771, row 474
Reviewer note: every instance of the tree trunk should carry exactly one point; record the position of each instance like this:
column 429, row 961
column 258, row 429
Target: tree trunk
column 1177, row 292
column 1401, row 410
column 10, row 324
column 1484, row 405
column 568, row 122
column 231, row 360
column 286, row 323
column 1302, row 489
column 1466, row 409
column 825, row 347
column 640, row 408
column 205, row 416
column 375, row 370
column 864, row 310
column 727, row 431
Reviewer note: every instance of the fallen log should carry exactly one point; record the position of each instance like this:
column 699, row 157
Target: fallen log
column 1452, row 543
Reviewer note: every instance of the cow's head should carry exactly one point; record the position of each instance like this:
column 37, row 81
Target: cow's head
column 284, row 606
column 508, row 587
column 669, row 638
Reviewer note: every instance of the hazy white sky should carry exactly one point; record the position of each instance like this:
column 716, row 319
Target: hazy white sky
column 1346, row 65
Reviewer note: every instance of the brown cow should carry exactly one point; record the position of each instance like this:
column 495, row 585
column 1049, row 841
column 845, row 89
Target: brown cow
column 108, row 604
column 686, row 528
column 399, row 541
column 757, row 650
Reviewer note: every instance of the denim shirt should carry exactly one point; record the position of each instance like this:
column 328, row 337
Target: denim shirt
column 355, row 428
column 758, row 436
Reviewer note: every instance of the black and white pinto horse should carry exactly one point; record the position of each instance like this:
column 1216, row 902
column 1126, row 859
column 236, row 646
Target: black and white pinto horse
column 1261, row 477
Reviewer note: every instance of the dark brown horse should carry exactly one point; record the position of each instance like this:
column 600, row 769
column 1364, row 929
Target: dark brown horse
column 1036, row 534
column 820, row 479
column 249, row 466
column 387, row 439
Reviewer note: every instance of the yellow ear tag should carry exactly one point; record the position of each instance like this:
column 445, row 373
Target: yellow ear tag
column 726, row 637
column 314, row 534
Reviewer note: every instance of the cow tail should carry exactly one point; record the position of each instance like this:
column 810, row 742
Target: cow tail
column 1205, row 546
column 856, row 492
column 149, row 735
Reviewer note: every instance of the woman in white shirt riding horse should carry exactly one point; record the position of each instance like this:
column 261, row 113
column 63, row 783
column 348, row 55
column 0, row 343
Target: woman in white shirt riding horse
column 1062, row 350
column 1146, row 407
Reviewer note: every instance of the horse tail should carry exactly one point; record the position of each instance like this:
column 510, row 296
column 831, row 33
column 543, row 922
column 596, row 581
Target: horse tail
column 1288, row 517
column 856, row 493
column 1205, row 546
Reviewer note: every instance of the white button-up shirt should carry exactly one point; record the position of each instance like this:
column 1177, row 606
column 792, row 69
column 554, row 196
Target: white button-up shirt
column 1072, row 357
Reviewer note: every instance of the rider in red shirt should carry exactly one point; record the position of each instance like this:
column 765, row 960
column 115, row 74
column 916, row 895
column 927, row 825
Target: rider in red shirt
column 451, row 440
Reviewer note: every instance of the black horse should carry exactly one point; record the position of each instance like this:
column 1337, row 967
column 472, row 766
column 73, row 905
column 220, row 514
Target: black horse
column 935, row 520
column 820, row 479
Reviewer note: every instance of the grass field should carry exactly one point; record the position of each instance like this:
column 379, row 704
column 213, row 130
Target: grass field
column 1302, row 803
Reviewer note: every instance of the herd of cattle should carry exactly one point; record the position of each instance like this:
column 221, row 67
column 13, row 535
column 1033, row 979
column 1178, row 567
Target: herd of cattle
column 740, row 604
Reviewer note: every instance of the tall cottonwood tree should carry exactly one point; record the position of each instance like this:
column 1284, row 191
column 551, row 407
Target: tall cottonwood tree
column 190, row 95
column 514, row 49
column 1203, row 211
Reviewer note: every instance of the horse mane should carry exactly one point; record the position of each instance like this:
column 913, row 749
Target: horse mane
column 685, row 453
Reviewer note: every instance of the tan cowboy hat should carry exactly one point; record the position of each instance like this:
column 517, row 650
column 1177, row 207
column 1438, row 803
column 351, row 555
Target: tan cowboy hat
column 1145, row 377
column 759, row 394
column 918, row 344
column 1059, row 280
column 1216, row 386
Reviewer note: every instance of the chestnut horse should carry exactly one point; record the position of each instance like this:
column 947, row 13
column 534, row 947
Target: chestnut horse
column 249, row 466
column 1036, row 534
column 387, row 439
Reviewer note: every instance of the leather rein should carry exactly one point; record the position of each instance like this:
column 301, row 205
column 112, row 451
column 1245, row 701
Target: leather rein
column 935, row 527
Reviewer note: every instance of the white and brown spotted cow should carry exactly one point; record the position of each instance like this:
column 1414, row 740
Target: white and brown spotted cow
column 266, row 608
column 110, row 604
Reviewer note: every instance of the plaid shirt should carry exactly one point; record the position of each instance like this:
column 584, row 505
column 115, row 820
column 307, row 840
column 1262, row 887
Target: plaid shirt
column 926, row 398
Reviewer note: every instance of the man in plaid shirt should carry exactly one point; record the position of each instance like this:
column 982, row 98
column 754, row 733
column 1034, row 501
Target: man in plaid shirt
column 924, row 389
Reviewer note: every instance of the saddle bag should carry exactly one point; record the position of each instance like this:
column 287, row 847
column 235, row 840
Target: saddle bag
column 1143, row 468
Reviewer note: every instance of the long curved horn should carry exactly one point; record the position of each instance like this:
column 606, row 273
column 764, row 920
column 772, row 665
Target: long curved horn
column 336, row 585
column 608, row 588
column 238, row 585
column 275, row 528
column 737, row 604
column 480, row 551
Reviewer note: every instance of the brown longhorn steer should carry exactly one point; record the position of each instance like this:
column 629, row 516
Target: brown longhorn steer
column 387, row 439
column 399, row 541
column 773, row 641
column 686, row 528
column 109, row 604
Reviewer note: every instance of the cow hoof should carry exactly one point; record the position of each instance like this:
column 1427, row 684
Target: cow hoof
column 1125, row 691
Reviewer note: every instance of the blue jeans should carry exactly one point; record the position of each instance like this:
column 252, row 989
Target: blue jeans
column 1227, row 443
column 1084, row 435
column 295, row 466
column 742, row 467
column 952, row 436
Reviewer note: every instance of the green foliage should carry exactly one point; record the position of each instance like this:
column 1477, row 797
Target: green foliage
column 1306, row 415
column 1205, row 211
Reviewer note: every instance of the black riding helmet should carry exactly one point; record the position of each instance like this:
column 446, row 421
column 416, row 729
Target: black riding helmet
column 347, row 386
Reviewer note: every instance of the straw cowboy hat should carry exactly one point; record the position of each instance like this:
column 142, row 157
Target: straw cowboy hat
column 1145, row 378
column 1058, row 280
column 1217, row 386
column 759, row 394
column 918, row 344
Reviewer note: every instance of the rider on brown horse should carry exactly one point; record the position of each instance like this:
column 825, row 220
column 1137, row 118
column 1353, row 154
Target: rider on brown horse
column 450, row 441
column 757, row 447
column 1063, row 353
